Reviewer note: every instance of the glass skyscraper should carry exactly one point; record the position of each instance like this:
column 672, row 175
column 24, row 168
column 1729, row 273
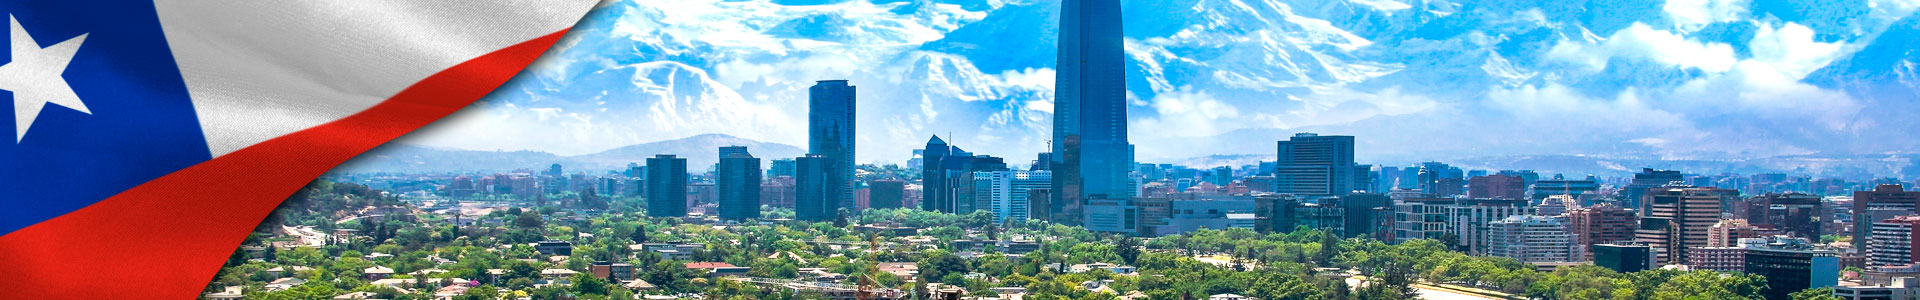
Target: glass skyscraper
column 830, row 136
column 666, row 186
column 1090, row 150
column 738, row 179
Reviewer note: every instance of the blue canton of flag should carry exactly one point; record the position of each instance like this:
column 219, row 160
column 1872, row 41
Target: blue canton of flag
column 99, row 107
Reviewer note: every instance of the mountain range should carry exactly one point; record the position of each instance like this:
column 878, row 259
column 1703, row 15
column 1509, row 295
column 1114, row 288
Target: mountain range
column 700, row 151
column 1414, row 80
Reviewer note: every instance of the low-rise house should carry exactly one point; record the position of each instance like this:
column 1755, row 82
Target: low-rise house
column 1229, row 297
column 284, row 283
column 554, row 247
column 231, row 292
column 376, row 273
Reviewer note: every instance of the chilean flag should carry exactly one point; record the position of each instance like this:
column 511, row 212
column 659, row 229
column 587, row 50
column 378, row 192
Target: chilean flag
column 151, row 136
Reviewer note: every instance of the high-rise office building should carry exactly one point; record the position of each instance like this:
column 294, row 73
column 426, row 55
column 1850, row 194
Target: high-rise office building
column 1441, row 180
column 947, row 178
column 1581, row 189
column 1677, row 220
column 738, row 179
column 1633, row 194
column 1090, row 150
column 1886, row 197
column 1892, row 242
column 666, row 186
column 780, row 167
column 1315, row 165
column 933, row 175
column 1008, row 191
column 729, row 151
column 1497, row 187
column 830, row 126
column 814, row 195
column 1601, row 224
column 1794, row 213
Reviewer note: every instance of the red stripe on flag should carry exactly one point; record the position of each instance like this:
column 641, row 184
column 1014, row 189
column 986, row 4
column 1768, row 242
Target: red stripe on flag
column 166, row 238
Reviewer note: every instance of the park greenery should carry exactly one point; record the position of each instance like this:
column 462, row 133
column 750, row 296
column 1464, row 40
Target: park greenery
column 1300, row 264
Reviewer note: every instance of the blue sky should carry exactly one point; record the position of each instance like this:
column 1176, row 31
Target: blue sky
column 1694, row 79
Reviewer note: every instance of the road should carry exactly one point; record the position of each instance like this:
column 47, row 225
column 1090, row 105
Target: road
column 1428, row 292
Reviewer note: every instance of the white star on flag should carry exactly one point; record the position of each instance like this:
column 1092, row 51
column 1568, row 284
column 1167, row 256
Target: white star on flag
column 34, row 77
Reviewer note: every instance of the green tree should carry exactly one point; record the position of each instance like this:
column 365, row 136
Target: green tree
column 1128, row 248
column 1825, row 293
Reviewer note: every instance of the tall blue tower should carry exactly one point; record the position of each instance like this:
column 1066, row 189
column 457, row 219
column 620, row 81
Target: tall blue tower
column 1090, row 150
column 830, row 135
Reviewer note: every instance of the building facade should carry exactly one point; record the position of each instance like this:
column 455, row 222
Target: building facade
column 666, row 186
column 1533, row 239
column 1090, row 155
column 1678, row 219
column 1886, row 197
column 1315, row 165
column 830, row 134
column 738, row 180
column 1892, row 241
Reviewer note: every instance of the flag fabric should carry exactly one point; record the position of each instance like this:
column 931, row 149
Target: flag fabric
column 151, row 136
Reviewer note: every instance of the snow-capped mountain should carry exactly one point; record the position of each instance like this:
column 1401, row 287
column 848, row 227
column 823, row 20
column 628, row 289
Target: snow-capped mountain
column 1433, row 79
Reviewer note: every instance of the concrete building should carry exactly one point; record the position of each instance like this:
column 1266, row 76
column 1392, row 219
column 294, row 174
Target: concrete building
column 1533, row 239
column 1727, row 233
column 1886, row 197
column 1898, row 288
column 1648, row 178
column 1420, row 218
column 1678, row 219
column 1601, row 224
column 1722, row 259
column 1469, row 220
column 1797, row 214
column 1497, row 187
column 1892, row 241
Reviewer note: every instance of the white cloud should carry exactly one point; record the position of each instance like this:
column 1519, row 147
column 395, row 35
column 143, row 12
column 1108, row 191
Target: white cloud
column 1639, row 41
column 1183, row 112
column 1889, row 10
column 1791, row 50
column 1693, row 14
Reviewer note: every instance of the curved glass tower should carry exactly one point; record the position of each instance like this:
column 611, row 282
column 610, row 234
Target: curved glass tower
column 1090, row 153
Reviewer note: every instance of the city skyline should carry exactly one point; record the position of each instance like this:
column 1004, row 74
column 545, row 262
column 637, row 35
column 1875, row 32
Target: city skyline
column 1615, row 92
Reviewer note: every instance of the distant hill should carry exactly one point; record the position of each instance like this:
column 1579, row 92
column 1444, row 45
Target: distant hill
column 701, row 151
